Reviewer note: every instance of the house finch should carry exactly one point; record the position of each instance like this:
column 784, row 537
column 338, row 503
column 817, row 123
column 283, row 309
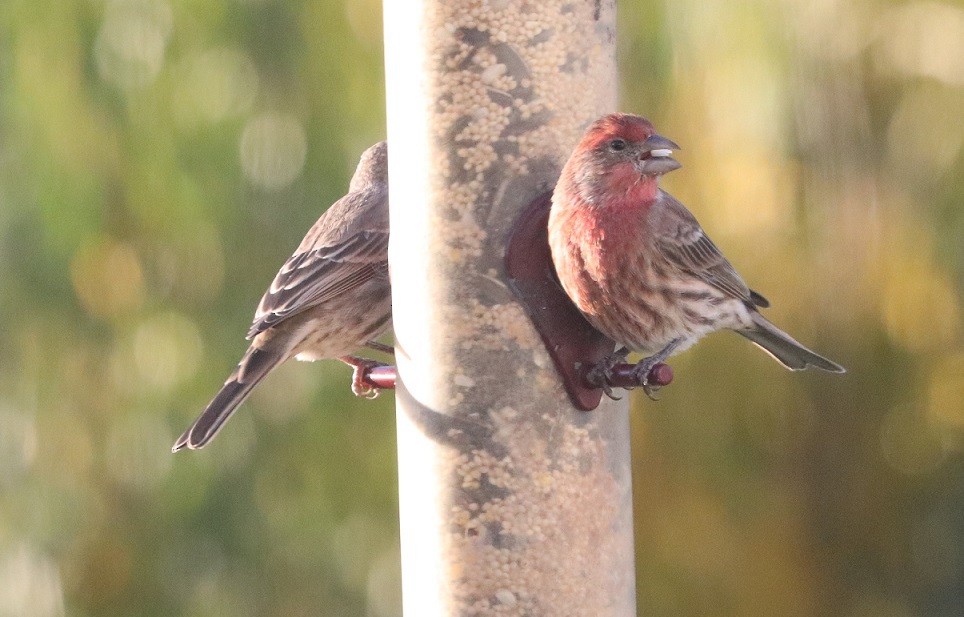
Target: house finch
column 331, row 297
column 637, row 263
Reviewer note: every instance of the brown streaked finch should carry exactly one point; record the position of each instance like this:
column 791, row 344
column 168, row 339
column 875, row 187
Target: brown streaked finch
column 636, row 262
column 331, row 297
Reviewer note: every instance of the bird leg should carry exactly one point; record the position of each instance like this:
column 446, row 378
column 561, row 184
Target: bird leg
column 599, row 375
column 381, row 347
column 360, row 386
column 644, row 366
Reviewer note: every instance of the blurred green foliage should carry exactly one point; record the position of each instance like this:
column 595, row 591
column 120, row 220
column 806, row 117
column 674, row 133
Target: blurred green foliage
column 159, row 159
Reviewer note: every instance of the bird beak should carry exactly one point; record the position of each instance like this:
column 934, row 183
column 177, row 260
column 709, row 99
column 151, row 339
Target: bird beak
column 655, row 156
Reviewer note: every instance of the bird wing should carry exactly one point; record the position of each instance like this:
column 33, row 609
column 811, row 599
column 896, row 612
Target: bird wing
column 314, row 277
column 330, row 261
column 681, row 240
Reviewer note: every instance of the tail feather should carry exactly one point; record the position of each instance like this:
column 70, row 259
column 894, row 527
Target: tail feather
column 784, row 348
column 254, row 366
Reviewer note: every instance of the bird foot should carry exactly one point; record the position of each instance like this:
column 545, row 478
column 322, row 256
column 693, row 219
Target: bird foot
column 643, row 375
column 601, row 375
column 650, row 374
column 360, row 384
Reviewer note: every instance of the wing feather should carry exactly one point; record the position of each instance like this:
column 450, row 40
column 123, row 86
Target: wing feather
column 314, row 277
column 684, row 244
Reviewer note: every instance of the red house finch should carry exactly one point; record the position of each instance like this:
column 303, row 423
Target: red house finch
column 331, row 297
column 637, row 263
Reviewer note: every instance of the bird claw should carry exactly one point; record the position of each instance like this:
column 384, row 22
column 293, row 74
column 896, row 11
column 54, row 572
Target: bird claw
column 361, row 386
column 650, row 391
column 600, row 375
column 608, row 391
column 598, row 378
column 641, row 374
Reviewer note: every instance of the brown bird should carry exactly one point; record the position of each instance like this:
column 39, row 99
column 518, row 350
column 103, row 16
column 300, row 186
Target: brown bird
column 331, row 297
column 636, row 262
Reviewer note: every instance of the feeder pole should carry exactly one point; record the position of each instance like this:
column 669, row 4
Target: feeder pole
column 512, row 502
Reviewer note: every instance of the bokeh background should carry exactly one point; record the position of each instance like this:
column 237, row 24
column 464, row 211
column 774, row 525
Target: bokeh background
column 159, row 159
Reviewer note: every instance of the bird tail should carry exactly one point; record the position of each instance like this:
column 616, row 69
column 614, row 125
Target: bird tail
column 254, row 366
column 784, row 348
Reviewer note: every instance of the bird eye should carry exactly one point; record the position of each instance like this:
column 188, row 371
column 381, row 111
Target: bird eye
column 617, row 145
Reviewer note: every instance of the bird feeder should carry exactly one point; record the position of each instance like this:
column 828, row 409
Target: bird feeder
column 513, row 500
